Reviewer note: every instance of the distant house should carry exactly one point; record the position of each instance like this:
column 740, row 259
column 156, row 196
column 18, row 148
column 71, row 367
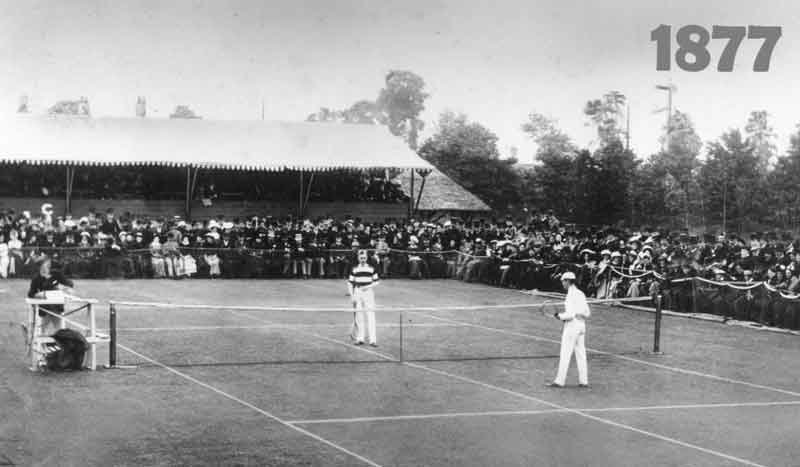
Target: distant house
column 442, row 196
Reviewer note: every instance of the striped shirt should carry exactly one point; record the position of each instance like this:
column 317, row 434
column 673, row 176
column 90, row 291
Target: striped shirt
column 361, row 276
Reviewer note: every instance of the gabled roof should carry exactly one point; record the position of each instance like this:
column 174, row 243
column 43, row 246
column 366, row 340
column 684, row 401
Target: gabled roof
column 441, row 193
column 209, row 144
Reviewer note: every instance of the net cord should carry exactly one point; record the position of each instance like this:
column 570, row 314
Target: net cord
column 378, row 309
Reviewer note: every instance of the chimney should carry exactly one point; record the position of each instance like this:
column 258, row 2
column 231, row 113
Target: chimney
column 23, row 105
column 141, row 107
column 83, row 106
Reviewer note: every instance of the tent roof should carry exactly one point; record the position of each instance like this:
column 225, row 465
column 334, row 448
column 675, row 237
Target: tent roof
column 441, row 193
column 209, row 144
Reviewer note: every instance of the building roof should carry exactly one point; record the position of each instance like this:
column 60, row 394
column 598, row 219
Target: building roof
column 208, row 144
column 441, row 193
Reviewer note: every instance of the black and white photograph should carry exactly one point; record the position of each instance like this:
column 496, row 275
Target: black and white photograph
column 397, row 234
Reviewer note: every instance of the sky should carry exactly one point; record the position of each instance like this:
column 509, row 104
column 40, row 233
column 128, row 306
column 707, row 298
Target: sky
column 496, row 61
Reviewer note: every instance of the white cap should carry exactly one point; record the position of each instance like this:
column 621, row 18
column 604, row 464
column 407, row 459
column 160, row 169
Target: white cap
column 568, row 276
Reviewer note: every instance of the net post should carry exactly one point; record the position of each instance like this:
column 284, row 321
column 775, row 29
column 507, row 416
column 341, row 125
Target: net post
column 401, row 337
column 112, row 331
column 694, row 295
column 657, row 333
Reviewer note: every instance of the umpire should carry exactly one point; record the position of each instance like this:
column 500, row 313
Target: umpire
column 48, row 280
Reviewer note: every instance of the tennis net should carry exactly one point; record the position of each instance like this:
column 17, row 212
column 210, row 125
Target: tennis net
column 176, row 335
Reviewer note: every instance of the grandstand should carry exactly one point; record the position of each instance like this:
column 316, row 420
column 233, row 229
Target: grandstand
column 160, row 167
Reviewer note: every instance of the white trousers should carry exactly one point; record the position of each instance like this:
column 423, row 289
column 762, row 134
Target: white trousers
column 4, row 264
column 573, row 339
column 364, row 319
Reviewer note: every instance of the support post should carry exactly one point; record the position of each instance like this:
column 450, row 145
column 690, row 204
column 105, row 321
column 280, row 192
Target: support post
column 657, row 333
column 112, row 331
column 92, row 337
column 193, row 188
column 68, row 194
column 411, row 197
column 300, row 198
column 401, row 337
column 419, row 197
column 307, row 195
column 187, row 209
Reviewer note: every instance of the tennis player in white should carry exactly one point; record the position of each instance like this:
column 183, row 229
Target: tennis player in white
column 576, row 310
column 361, row 281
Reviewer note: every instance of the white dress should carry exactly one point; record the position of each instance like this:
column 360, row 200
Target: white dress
column 4, row 260
column 14, row 262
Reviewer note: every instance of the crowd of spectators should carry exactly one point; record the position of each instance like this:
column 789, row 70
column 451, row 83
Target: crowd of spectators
column 525, row 254
column 169, row 183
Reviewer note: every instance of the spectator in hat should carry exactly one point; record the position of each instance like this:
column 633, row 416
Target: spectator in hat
column 416, row 264
column 15, row 255
column 603, row 275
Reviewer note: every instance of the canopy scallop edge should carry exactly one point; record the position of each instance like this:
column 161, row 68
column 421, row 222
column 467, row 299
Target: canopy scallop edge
column 206, row 144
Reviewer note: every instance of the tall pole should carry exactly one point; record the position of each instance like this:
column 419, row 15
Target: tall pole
column 724, row 200
column 669, row 112
column 669, row 88
column 628, row 128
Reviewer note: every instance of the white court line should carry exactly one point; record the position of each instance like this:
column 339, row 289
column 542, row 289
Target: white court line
column 592, row 417
column 544, row 402
column 282, row 326
column 251, row 406
column 600, row 352
column 622, row 357
column 538, row 412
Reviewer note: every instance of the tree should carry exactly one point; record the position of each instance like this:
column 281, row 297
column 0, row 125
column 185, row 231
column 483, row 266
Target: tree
column 615, row 171
column 730, row 181
column 552, row 183
column 761, row 137
column 183, row 111
column 324, row 114
column 363, row 111
column 586, row 182
column 400, row 103
column 606, row 114
column 650, row 188
column 467, row 152
column 679, row 160
column 784, row 183
column 548, row 137
column 68, row 107
column 398, row 106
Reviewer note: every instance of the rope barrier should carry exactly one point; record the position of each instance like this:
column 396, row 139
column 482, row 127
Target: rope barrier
column 731, row 284
column 630, row 276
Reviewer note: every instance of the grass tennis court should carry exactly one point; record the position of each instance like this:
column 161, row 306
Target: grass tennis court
column 221, row 387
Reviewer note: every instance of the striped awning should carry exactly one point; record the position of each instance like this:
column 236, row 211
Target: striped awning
column 208, row 144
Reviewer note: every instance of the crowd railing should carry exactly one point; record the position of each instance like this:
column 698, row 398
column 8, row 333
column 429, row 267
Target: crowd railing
column 756, row 302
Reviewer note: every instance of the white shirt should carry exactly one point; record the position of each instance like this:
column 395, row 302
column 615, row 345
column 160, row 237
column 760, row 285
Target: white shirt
column 575, row 305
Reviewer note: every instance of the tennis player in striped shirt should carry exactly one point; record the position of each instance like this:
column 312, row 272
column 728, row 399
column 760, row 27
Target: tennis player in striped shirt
column 361, row 281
